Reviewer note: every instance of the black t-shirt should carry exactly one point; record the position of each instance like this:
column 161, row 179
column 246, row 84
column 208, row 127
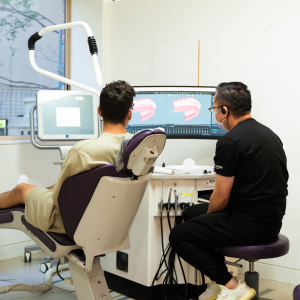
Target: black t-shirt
column 254, row 155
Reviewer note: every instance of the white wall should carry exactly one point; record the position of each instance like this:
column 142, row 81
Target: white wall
column 89, row 11
column 256, row 42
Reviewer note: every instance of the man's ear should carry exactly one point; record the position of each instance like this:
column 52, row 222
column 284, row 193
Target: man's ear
column 99, row 112
column 225, row 110
column 129, row 116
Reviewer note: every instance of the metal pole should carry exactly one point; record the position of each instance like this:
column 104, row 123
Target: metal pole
column 251, row 267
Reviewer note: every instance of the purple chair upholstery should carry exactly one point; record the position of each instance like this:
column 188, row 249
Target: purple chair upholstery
column 6, row 215
column 136, row 141
column 20, row 208
column 61, row 238
column 40, row 235
column 79, row 189
column 275, row 248
column 6, row 218
column 296, row 294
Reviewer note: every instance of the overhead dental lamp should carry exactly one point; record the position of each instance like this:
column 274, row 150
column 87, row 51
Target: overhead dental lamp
column 92, row 46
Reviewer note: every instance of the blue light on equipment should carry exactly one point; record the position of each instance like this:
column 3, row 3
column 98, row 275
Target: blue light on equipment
column 67, row 136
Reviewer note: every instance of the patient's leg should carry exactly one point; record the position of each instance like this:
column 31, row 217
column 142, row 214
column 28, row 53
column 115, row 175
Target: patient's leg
column 15, row 197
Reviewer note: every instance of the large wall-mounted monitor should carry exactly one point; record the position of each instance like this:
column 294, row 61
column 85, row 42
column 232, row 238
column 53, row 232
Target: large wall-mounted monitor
column 181, row 111
column 67, row 115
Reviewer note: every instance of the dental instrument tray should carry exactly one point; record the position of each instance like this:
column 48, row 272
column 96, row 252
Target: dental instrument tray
column 181, row 169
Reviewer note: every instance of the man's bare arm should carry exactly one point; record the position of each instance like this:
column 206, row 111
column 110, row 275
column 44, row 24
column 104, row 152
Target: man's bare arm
column 221, row 194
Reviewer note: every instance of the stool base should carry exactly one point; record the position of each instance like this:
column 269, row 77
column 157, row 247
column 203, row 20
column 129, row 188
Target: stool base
column 252, row 280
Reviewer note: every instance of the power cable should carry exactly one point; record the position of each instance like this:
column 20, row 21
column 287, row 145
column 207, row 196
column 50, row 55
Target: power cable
column 58, row 271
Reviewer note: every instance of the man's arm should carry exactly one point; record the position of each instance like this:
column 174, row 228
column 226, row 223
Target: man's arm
column 221, row 194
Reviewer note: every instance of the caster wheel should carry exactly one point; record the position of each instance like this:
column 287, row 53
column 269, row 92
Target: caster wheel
column 27, row 257
column 44, row 268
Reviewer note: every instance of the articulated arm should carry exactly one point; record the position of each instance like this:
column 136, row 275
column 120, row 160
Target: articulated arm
column 93, row 49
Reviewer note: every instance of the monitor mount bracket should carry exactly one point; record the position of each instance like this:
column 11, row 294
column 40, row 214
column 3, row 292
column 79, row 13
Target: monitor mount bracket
column 63, row 149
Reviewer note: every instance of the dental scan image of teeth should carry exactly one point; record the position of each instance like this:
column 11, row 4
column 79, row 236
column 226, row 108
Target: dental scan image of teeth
column 146, row 107
column 181, row 114
column 190, row 107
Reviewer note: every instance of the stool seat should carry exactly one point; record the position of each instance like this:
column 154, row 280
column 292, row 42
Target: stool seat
column 296, row 294
column 275, row 248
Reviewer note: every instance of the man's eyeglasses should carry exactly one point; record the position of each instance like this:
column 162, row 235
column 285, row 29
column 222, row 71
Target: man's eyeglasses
column 212, row 109
column 132, row 106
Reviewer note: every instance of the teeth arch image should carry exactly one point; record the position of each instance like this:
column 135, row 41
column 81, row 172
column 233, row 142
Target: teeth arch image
column 189, row 105
column 145, row 106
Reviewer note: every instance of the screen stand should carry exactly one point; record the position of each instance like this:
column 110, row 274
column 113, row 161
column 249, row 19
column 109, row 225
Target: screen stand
column 62, row 149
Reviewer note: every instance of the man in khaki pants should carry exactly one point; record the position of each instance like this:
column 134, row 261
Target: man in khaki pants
column 41, row 205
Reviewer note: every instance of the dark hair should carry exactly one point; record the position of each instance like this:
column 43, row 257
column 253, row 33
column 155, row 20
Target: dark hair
column 235, row 96
column 115, row 101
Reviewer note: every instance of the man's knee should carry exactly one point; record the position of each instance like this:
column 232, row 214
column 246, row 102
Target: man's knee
column 20, row 192
column 187, row 214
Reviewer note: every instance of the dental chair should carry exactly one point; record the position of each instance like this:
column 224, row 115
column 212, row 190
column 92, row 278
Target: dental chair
column 98, row 208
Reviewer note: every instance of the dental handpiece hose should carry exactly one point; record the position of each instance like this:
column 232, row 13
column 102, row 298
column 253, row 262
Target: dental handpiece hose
column 176, row 199
column 162, row 195
column 169, row 200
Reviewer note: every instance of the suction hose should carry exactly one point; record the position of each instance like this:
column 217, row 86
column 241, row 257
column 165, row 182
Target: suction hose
column 25, row 287
column 49, row 274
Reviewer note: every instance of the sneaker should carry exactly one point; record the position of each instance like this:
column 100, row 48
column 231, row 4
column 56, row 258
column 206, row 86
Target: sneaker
column 23, row 179
column 211, row 292
column 242, row 292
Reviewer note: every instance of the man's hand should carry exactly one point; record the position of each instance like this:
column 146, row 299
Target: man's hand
column 55, row 203
column 221, row 194
column 51, row 187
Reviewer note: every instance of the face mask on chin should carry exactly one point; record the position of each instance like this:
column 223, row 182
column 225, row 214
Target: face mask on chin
column 220, row 125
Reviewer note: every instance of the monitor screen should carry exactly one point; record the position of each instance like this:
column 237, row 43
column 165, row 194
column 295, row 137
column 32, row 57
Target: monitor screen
column 181, row 111
column 64, row 115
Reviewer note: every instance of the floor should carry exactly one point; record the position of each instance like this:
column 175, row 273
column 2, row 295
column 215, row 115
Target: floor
column 13, row 271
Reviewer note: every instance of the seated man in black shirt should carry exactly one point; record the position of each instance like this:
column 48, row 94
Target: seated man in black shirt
column 249, row 199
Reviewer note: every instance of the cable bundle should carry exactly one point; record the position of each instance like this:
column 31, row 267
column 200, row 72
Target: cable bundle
column 169, row 287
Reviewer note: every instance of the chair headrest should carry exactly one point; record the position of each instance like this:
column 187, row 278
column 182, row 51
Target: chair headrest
column 143, row 149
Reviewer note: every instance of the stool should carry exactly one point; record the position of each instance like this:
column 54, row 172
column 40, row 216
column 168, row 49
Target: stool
column 296, row 294
column 252, row 253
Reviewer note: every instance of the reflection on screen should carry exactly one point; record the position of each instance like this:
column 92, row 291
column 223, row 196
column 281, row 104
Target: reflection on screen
column 181, row 114
column 67, row 116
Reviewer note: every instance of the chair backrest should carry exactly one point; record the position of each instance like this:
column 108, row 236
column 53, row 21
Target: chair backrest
column 77, row 192
column 142, row 152
column 98, row 207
